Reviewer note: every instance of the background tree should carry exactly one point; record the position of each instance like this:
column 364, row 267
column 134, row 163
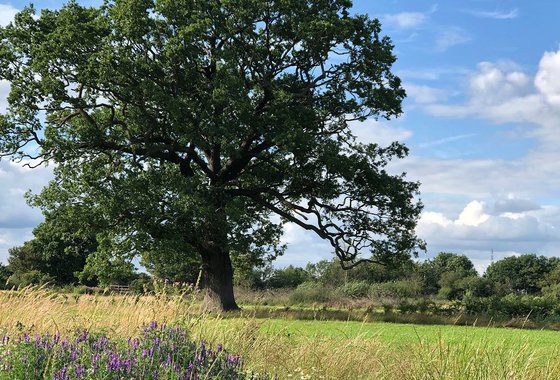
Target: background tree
column 202, row 119
column 330, row 272
column 444, row 272
column 550, row 283
column 55, row 254
column 5, row 274
column 289, row 277
column 172, row 264
column 104, row 269
column 522, row 274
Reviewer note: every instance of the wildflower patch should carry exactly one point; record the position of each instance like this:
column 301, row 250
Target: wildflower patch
column 159, row 352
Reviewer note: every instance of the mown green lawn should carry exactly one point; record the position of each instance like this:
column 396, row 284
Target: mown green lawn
column 399, row 335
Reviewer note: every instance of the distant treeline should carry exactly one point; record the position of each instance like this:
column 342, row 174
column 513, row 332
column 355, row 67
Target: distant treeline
column 517, row 286
column 448, row 276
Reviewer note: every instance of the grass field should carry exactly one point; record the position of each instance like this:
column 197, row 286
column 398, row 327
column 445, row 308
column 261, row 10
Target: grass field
column 296, row 349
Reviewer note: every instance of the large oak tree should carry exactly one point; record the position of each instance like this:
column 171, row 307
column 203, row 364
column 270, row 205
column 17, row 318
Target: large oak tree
column 215, row 121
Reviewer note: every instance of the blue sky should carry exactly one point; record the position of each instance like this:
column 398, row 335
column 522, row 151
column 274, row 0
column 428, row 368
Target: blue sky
column 482, row 120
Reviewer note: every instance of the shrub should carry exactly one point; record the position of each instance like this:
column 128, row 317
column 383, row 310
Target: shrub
column 395, row 289
column 514, row 306
column 33, row 277
column 142, row 284
column 446, row 293
column 552, row 291
column 388, row 308
column 425, row 305
column 4, row 276
column 477, row 286
column 355, row 289
column 406, row 307
column 309, row 292
column 289, row 277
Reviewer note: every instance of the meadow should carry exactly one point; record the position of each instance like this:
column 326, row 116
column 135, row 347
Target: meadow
column 295, row 349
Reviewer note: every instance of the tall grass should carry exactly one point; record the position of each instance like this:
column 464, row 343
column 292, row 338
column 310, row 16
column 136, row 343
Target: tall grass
column 289, row 354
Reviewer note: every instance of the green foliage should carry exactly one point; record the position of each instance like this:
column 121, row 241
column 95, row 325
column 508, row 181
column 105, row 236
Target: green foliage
column 250, row 270
column 311, row 292
column 289, row 277
column 106, row 269
column 532, row 307
column 441, row 274
column 5, row 273
column 550, row 283
column 452, row 262
column 330, row 272
column 477, row 286
column 57, row 251
column 523, row 274
column 31, row 277
column 172, row 264
column 24, row 259
column 142, row 284
column 193, row 122
column 396, row 289
column 355, row 289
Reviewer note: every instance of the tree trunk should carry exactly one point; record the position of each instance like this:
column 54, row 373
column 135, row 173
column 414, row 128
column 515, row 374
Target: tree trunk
column 213, row 247
column 217, row 275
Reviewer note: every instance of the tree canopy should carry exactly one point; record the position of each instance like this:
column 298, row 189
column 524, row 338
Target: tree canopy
column 212, row 123
column 525, row 273
column 55, row 254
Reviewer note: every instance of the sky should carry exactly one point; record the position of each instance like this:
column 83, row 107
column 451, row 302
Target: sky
column 481, row 119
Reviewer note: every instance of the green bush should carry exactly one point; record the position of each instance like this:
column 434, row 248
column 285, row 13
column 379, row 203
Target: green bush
column 4, row 276
column 406, row 307
column 446, row 293
column 141, row 285
column 310, row 292
column 388, row 308
column 514, row 306
column 289, row 277
column 33, row 277
column 395, row 289
column 354, row 289
column 425, row 305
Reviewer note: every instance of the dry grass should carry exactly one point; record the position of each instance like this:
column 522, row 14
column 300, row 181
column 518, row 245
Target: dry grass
column 290, row 355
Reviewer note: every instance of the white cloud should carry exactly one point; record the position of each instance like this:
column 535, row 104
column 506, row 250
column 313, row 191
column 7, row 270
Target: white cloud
column 4, row 91
column 546, row 80
column 372, row 131
column 451, row 37
column 406, row 20
column 534, row 174
column 7, row 13
column 473, row 214
column 424, row 94
column 497, row 15
column 445, row 140
column 17, row 219
column 477, row 228
column 496, row 83
column 12, row 237
column 302, row 247
column 293, row 234
column 432, row 73
column 501, row 92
